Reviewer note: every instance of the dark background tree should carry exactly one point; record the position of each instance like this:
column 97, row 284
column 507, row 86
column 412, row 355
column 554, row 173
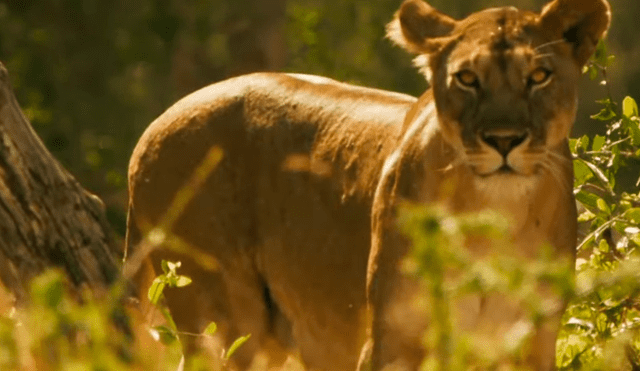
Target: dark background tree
column 46, row 218
column 92, row 74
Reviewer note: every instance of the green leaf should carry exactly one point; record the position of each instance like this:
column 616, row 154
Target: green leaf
column 211, row 329
column 635, row 237
column 573, row 145
column 603, row 246
column 610, row 60
column 633, row 215
column 236, row 344
column 598, row 143
column 602, row 206
column 168, row 317
column 164, row 334
column 589, row 200
column 48, row 289
column 155, row 291
column 165, row 266
column 570, row 349
column 583, row 143
column 629, row 107
column 182, row 281
column 605, row 114
column 581, row 172
column 602, row 322
column 586, row 216
column 633, row 127
column 593, row 73
column 600, row 55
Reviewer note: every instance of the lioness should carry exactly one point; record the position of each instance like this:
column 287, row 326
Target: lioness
column 299, row 213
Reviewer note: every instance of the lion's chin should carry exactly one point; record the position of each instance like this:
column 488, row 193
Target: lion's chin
column 505, row 189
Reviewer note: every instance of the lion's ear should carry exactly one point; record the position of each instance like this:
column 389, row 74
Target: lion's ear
column 419, row 28
column 580, row 22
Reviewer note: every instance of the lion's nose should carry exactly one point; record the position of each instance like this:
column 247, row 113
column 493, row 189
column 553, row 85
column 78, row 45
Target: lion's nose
column 504, row 141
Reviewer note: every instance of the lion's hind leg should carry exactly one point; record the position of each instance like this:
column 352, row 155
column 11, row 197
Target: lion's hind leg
column 255, row 313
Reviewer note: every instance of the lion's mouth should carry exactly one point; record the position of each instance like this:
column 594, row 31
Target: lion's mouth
column 504, row 169
column 522, row 161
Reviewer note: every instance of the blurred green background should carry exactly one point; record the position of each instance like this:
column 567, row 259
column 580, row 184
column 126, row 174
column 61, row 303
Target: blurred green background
column 92, row 74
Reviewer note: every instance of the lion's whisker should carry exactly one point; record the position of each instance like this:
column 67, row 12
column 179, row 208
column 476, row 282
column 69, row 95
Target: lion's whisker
column 459, row 160
column 561, row 160
column 559, row 41
column 540, row 56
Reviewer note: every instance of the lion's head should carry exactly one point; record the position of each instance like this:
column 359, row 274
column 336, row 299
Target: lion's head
column 504, row 80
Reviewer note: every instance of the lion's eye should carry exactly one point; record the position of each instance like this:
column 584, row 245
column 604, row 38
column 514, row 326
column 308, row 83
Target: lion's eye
column 467, row 78
column 539, row 76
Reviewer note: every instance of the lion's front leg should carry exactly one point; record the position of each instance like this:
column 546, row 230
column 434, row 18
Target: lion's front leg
column 396, row 321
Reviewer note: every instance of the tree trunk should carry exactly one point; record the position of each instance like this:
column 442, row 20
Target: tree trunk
column 46, row 218
column 260, row 44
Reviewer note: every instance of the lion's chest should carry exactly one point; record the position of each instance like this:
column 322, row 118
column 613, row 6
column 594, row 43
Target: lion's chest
column 507, row 194
column 516, row 198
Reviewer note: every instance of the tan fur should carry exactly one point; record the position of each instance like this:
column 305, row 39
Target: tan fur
column 299, row 213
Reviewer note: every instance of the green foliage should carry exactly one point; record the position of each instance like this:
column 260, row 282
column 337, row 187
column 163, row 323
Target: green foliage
column 601, row 324
column 169, row 334
column 211, row 329
column 236, row 344
column 60, row 331
column 168, row 278
column 455, row 277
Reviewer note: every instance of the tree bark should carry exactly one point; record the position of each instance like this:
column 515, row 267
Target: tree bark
column 46, row 218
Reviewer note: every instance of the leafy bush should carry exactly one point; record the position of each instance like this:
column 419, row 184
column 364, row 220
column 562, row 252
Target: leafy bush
column 455, row 278
column 60, row 330
column 601, row 324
